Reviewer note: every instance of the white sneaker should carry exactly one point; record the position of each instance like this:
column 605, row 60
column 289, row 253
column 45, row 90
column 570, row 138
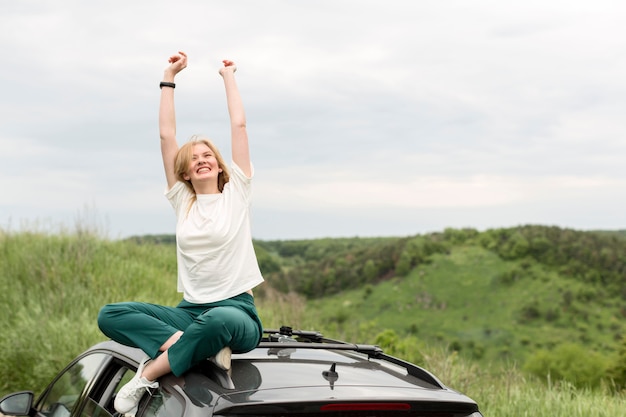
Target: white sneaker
column 222, row 358
column 129, row 395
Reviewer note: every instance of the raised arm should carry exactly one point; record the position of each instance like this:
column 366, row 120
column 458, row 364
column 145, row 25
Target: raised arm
column 167, row 117
column 238, row 132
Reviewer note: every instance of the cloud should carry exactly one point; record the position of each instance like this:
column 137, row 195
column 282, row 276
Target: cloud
column 479, row 113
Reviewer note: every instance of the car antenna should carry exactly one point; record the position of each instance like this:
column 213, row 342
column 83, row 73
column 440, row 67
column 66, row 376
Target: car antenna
column 331, row 376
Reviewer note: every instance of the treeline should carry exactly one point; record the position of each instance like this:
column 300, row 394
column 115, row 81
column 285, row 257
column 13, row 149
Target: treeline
column 316, row 268
column 319, row 267
column 595, row 258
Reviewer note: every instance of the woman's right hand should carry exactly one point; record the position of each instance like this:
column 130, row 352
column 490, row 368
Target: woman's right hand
column 178, row 62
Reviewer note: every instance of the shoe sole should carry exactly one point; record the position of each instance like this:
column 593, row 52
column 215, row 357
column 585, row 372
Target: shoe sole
column 223, row 358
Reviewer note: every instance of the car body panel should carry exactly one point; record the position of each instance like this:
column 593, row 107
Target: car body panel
column 298, row 377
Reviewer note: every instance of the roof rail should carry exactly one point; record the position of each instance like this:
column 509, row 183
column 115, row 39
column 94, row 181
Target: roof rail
column 311, row 336
column 311, row 340
column 315, row 340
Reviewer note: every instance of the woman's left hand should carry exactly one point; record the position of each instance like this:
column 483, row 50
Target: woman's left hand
column 228, row 66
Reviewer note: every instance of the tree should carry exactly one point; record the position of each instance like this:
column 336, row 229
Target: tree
column 369, row 270
column 403, row 266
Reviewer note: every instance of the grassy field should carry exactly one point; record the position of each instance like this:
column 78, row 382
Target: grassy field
column 54, row 285
column 461, row 299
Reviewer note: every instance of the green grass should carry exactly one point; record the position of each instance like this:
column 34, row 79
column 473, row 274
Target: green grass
column 486, row 308
column 506, row 392
column 53, row 286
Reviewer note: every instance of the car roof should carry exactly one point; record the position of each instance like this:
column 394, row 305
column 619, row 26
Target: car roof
column 304, row 367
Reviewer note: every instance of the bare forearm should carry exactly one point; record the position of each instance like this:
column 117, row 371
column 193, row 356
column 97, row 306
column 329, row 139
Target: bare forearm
column 239, row 135
column 233, row 99
column 167, row 113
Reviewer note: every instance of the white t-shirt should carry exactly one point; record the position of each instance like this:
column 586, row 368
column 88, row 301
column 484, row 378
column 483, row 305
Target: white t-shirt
column 215, row 255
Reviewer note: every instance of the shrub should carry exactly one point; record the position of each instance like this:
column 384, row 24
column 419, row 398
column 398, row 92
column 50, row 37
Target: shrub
column 406, row 348
column 403, row 266
column 568, row 362
column 617, row 369
column 515, row 248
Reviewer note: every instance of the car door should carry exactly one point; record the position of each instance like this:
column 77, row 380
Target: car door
column 87, row 388
column 64, row 397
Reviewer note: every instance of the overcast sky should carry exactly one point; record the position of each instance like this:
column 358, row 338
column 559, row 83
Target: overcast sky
column 366, row 118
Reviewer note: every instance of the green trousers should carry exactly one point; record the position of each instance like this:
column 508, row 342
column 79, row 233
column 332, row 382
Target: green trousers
column 207, row 328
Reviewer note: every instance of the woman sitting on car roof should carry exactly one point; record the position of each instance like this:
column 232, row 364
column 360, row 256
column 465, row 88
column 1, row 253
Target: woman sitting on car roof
column 217, row 266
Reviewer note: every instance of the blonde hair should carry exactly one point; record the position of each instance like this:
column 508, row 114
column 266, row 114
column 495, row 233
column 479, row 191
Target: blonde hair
column 184, row 157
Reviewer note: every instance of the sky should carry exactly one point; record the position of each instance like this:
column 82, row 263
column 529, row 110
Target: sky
column 366, row 118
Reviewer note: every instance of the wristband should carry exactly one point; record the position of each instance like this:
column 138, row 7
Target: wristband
column 166, row 84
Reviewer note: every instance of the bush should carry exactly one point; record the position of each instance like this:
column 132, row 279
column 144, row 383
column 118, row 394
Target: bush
column 568, row 362
column 617, row 370
column 515, row 247
column 406, row 348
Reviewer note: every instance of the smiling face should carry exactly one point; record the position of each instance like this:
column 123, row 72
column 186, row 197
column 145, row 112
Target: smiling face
column 203, row 166
column 200, row 165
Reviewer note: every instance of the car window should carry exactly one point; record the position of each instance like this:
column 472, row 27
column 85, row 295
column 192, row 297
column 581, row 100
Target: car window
column 93, row 409
column 126, row 376
column 159, row 403
column 60, row 398
column 162, row 404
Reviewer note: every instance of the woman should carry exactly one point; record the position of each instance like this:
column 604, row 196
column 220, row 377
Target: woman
column 217, row 266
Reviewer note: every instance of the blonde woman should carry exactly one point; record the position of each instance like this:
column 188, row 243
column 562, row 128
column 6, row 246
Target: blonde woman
column 217, row 266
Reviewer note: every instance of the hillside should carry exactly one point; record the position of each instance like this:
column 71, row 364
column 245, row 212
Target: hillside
column 500, row 296
column 497, row 295
column 486, row 308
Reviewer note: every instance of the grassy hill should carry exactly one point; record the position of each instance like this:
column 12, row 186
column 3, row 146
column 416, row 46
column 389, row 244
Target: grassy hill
column 474, row 302
column 497, row 295
column 469, row 305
